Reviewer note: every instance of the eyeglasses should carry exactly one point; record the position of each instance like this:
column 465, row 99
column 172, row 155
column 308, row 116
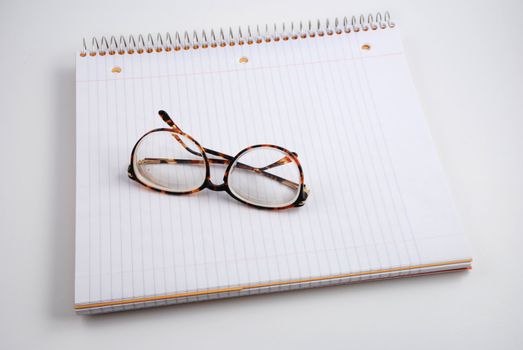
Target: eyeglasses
column 263, row 176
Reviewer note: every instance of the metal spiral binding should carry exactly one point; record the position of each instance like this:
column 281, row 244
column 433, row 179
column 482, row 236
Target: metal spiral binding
column 223, row 38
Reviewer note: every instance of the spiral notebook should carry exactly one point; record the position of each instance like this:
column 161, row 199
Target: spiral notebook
column 337, row 92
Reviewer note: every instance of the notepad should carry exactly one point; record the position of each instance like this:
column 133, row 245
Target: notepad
column 339, row 93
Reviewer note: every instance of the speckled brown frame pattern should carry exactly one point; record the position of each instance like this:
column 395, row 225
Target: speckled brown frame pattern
column 223, row 159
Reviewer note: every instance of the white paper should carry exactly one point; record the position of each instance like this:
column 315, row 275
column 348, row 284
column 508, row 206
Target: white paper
column 379, row 199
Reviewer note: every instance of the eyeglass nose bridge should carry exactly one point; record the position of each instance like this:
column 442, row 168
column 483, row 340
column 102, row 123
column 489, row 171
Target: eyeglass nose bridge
column 214, row 187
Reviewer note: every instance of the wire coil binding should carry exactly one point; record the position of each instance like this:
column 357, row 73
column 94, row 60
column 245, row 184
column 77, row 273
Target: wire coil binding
column 187, row 41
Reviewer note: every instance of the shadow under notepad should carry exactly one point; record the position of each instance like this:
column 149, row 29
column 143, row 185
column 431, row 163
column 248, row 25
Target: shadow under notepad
column 62, row 185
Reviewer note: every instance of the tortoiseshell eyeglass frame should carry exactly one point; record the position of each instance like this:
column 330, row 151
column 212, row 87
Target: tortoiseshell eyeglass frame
column 225, row 160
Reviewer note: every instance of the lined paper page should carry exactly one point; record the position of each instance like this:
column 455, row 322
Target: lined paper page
column 378, row 196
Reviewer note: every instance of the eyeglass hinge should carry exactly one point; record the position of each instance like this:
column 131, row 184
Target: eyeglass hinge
column 304, row 196
column 130, row 172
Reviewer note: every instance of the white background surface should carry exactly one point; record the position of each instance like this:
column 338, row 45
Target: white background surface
column 467, row 62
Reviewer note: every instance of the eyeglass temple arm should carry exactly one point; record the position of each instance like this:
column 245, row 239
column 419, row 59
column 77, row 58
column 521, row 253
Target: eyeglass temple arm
column 283, row 181
column 163, row 114
column 165, row 117
column 277, row 178
column 181, row 161
column 282, row 161
column 279, row 162
column 260, row 171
